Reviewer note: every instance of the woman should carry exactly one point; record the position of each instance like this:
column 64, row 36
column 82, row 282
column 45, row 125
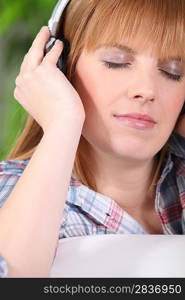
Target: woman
column 79, row 163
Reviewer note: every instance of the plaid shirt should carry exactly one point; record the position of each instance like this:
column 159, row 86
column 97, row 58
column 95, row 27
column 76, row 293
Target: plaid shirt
column 87, row 212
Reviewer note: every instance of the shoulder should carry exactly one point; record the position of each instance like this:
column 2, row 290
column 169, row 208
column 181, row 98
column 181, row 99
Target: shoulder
column 10, row 172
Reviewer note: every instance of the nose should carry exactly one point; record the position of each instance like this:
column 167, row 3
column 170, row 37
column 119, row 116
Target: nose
column 142, row 87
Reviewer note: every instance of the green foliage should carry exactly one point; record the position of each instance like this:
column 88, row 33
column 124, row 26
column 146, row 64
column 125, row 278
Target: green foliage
column 34, row 12
column 20, row 20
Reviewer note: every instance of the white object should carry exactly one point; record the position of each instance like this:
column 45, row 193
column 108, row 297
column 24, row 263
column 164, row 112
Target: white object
column 120, row 255
column 56, row 15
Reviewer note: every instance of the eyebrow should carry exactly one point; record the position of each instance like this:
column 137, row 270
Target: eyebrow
column 131, row 51
column 123, row 48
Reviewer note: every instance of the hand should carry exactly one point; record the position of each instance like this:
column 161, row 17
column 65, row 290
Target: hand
column 42, row 89
column 180, row 126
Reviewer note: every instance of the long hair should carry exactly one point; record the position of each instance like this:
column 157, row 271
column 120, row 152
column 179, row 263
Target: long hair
column 160, row 22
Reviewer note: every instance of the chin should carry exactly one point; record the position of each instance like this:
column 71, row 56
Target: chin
column 132, row 156
column 132, row 148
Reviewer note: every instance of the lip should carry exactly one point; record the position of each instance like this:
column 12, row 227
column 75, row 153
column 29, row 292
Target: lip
column 137, row 116
column 137, row 121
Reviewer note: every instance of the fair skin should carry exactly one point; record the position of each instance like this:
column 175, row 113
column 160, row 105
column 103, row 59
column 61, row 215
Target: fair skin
column 124, row 156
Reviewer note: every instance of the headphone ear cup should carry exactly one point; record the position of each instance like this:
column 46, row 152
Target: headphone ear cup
column 62, row 62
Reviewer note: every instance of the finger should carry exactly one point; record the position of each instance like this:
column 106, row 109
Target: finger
column 40, row 39
column 53, row 55
column 36, row 52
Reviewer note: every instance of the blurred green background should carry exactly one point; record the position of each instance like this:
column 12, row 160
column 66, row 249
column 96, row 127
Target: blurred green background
column 20, row 20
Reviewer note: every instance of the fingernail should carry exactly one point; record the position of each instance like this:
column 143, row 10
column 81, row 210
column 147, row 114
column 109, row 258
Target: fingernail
column 59, row 42
column 44, row 27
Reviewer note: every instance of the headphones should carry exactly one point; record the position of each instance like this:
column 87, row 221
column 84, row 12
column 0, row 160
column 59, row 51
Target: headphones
column 53, row 27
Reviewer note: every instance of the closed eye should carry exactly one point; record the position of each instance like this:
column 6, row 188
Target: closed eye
column 172, row 76
column 111, row 65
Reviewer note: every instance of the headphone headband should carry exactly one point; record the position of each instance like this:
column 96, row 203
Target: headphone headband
column 56, row 15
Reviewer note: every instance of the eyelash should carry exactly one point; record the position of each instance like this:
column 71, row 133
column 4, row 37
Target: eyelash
column 111, row 65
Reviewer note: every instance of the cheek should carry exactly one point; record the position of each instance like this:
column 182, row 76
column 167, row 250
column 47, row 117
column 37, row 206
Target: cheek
column 172, row 101
column 91, row 92
column 173, row 109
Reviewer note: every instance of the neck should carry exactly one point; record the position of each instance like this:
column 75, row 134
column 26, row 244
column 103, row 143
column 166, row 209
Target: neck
column 126, row 182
